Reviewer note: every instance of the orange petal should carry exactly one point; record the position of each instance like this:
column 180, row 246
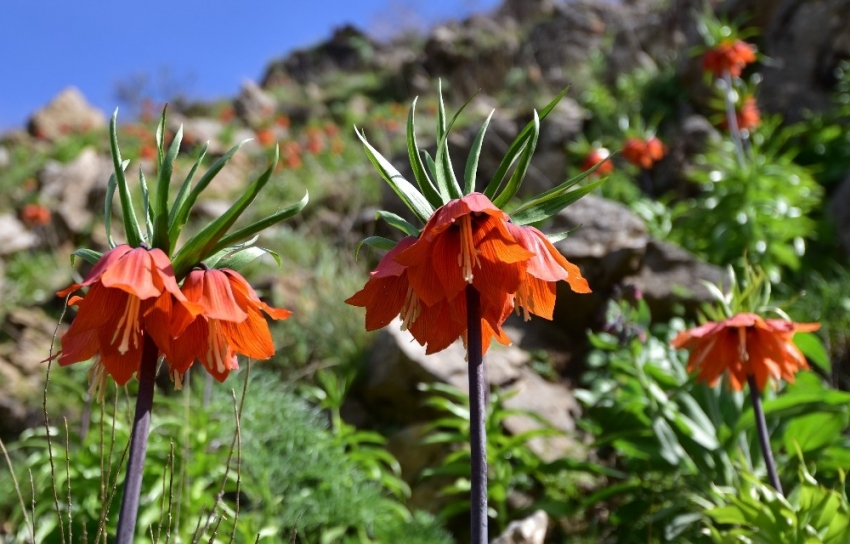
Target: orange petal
column 132, row 273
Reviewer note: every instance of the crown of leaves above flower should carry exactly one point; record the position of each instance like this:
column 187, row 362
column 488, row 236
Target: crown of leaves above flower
column 438, row 184
column 165, row 221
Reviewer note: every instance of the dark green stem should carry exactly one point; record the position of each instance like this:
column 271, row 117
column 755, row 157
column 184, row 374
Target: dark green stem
column 477, row 431
column 764, row 439
column 138, row 444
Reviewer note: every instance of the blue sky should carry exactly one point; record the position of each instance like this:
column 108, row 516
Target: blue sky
column 206, row 47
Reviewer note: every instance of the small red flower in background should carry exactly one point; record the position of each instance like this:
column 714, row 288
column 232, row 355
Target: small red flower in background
column 291, row 154
column 730, row 56
column 231, row 324
column 35, row 215
column 467, row 241
column 643, row 153
column 744, row 345
column 282, row 121
column 227, row 114
column 132, row 293
column 594, row 157
column 315, row 142
column 265, row 136
column 147, row 151
column 747, row 115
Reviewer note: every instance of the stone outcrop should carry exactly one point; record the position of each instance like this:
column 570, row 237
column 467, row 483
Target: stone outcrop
column 66, row 114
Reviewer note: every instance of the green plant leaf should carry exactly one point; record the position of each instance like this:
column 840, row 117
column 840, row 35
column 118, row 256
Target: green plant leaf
column 161, row 238
column 412, row 198
column 147, row 212
column 131, row 224
column 398, row 222
column 516, row 147
column 183, row 205
column 378, row 242
column 205, row 242
column 813, row 349
column 251, row 230
column 540, row 210
column 471, row 170
column 519, row 172
column 422, row 179
column 88, row 255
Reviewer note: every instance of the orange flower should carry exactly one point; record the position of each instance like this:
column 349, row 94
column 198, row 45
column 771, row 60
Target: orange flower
column 231, row 323
column 35, row 215
column 747, row 116
column 643, row 153
column 131, row 294
column 536, row 293
column 744, row 345
column 597, row 155
column 265, row 136
column 730, row 56
column 466, row 242
column 388, row 294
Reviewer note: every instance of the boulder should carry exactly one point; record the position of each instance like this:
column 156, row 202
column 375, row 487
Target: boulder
column 75, row 189
column 14, row 235
column 253, row 105
column 530, row 530
column 67, row 113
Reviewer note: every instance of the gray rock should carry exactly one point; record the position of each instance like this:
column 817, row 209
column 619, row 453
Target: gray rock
column 76, row 190
column 14, row 235
column 530, row 530
column 198, row 131
column 254, row 105
column 67, row 113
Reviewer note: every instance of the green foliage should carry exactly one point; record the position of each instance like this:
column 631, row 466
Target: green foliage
column 678, row 440
column 300, row 477
column 758, row 207
column 512, row 464
column 754, row 513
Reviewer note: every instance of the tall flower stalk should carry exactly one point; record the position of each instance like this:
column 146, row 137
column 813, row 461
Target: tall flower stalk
column 471, row 265
column 135, row 312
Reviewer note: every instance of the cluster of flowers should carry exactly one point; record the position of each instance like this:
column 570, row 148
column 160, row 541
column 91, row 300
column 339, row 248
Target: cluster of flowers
column 641, row 152
column 133, row 295
column 466, row 242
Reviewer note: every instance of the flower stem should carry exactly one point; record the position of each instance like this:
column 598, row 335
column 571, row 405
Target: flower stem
column 764, row 440
column 731, row 118
column 138, row 444
column 477, row 431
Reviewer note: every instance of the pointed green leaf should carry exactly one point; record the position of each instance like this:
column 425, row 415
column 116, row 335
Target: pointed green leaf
column 107, row 212
column 412, row 198
column 88, row 255
column 131, row 224
column 516, row 147
column 551, row 206
column 472, row 160
column 558, row 236
column 254, row 228
column 219, row 255
column 521, row 168
column 398, row 222
column 812, row 347
column 147, row 212
column 180, row 213
column 240, row 258
column 206, row 242
column 446, row 180
column 161, row 238
column 422, row 179
column 378, row 242
column 429, row 162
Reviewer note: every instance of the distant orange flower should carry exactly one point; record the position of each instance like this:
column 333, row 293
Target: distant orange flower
column 744, row 345
column 265, row 136
column 227, row 114
column 291, row 154
column 643, row 153
column 747, row 115
column 597, row 155
column 230, row 324
column 35, row 215
column 282, row 121
column 729, row 56
column 467, row 241
column 132, row 292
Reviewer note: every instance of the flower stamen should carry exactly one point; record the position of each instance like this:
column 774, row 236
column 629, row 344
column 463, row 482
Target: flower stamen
column 468, row 254
column 128, row 326
column 410, row 310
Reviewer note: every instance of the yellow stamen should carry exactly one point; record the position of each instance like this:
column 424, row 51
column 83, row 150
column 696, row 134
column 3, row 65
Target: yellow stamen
column 742, row 344
column 522, row 300
column 468, row 254
column 128, row 326
column 177, row 378
column 97, row 379
column 410, row 310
